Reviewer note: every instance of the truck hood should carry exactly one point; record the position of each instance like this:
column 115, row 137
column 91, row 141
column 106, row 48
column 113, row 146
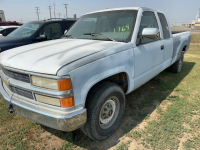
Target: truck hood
column 48, row 57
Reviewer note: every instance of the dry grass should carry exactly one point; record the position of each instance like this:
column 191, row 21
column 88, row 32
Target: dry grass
column 195, row 38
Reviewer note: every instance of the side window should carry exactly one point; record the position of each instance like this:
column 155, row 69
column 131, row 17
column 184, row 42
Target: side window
column 2, row 32
column 164, row 26
column 8, row 31
column 52, row 31
column 148, row 21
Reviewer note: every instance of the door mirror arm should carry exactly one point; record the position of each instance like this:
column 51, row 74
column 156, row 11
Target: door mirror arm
column 138, row 40
column 41, row 38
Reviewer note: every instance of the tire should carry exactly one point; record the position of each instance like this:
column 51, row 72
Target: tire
column 105, row 108
column 178, row 65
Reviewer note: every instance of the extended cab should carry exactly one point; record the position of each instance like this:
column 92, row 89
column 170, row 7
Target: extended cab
column 36, row 31
column 80, row 81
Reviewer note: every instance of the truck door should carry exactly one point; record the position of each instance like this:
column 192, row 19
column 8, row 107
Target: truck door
column 168, row 42
column 149, row 52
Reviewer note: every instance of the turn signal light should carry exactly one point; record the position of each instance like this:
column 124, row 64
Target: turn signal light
column 64, row 85
column 67, row 102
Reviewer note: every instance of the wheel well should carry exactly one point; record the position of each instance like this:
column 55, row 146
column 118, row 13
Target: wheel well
column 184, row 48
column 120, row 79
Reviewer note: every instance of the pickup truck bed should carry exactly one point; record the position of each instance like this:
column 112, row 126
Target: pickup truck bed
column 175, row 32
column 181, row 42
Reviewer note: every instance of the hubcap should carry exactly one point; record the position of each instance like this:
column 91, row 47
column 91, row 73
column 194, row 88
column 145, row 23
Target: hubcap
column 109, row 112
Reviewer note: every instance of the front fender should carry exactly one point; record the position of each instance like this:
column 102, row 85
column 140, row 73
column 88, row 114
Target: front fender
column 85, row 77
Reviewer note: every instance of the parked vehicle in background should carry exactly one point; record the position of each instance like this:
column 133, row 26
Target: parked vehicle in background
column 35, row 31
column 2, row 16
column 5, row 30
column 9, row 24
column 80, row 81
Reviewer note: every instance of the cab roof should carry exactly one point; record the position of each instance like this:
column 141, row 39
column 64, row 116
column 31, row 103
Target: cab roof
column 51, row 20
column 123, row 8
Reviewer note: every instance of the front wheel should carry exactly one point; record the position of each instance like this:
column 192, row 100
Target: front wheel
column 105, row 107
column 178, row 65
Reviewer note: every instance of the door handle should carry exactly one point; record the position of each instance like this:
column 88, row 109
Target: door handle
column 162, row 47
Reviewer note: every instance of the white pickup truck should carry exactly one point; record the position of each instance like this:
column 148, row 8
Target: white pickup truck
column 80, row 80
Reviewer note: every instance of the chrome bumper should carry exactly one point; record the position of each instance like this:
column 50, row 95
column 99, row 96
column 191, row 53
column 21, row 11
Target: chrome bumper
column 69, row 122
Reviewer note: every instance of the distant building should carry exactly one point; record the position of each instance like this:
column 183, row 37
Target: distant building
column 196, row 22
column 2, row 16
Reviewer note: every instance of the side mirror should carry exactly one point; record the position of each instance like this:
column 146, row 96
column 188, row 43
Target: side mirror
column 65, row 32
column 151, row 33
column 41, row 38
column 1, row 35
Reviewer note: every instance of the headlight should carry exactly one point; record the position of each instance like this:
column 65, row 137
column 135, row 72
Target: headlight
column 48, row 100
column 62, row 102
column 60, row 85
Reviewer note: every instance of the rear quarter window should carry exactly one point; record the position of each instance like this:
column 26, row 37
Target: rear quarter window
column 164, row 25
column 67, row 24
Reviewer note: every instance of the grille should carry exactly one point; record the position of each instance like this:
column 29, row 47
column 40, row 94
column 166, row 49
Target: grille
column 16, row 75
column 21, row 92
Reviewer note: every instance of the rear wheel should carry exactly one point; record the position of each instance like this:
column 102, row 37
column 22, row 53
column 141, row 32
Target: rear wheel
column 178, row 65
column 105, row 107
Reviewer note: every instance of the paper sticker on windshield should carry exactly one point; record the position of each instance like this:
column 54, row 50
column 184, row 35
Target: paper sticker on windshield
column 26, row 33
column 122, row 29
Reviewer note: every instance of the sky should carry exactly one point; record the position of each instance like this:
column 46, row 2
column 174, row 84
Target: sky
column 177, row 11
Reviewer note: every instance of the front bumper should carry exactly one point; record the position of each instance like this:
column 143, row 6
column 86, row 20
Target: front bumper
column 68, row 122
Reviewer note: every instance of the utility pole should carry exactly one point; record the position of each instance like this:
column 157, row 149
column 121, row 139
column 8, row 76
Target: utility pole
column 50, row 11
column 66, row 9
column 54, row 9
column 37, row 12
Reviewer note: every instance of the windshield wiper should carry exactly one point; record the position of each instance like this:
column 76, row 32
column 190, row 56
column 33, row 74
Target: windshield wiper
column 69, row 36
column 97, row 34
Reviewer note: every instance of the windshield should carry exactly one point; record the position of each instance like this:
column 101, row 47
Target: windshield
column 26, row 30
column 112, row 25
